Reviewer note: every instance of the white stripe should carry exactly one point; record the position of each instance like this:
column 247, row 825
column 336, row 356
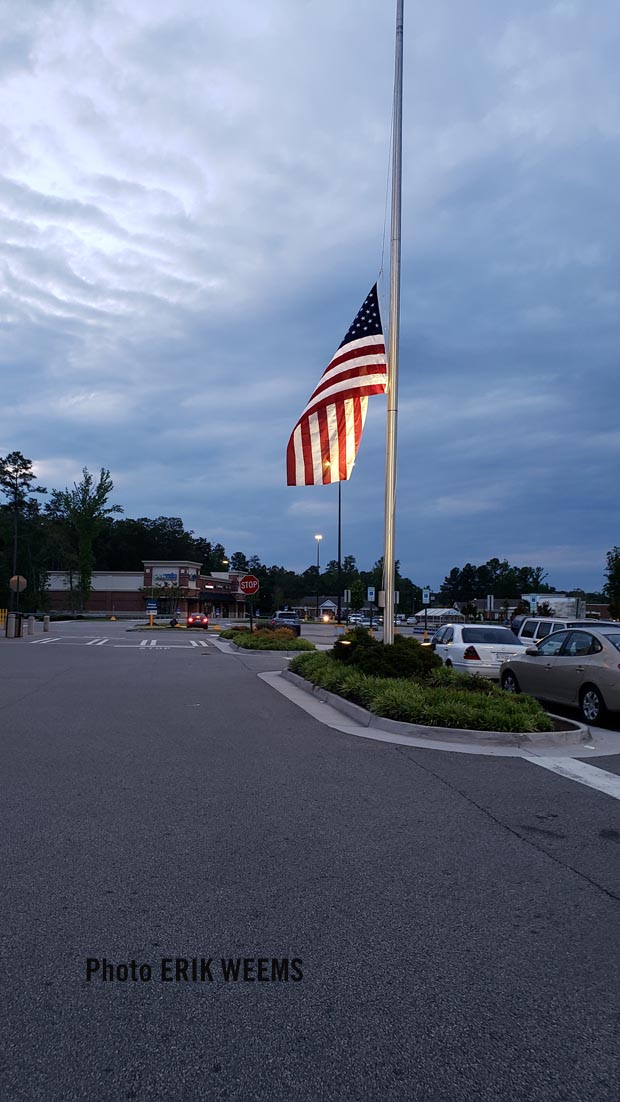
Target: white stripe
column 315, row 444
column 193, row 643
column 350, row 437
column 144, row 643
column 345, row 387
column 334, row 451
column 575, row 770
column 374, row 360
column 299, row 457
column 101, row 642
column 203, row 644
column 153, row 642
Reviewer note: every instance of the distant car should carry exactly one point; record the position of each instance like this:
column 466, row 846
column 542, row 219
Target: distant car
column 412, row 619
column 197, row 620
column 286, row 620
column 476, row 648
column 577, row 666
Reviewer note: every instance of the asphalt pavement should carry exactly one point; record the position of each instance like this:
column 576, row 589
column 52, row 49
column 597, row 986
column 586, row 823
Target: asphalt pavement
column 412, row 924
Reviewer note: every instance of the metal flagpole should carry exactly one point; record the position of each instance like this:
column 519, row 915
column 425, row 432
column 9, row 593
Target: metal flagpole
column 392, row 385
column 339, row 553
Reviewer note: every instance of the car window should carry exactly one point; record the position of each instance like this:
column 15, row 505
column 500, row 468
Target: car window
column 580, row 642
column 551, row 645
column 528, row 629
column 488, row 635
column 543, row 630
column 448, row 635
column 438, row 636
column 614, row 640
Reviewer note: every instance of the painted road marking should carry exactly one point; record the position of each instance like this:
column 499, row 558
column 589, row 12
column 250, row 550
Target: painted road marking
column 96, row 643
column 39, row 641
column 574, row 770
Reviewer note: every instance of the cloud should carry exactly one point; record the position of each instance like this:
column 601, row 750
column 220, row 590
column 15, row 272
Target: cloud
column 192, row 209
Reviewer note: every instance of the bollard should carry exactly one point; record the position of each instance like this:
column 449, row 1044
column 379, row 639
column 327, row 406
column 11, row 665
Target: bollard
column 10, row 625
column 46, row 623
column 31, row 625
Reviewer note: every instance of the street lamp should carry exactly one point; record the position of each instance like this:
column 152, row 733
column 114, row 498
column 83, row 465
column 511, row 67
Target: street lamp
column 318, row 539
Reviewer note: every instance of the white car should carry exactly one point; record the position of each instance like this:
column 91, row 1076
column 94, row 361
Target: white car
column 476, row 648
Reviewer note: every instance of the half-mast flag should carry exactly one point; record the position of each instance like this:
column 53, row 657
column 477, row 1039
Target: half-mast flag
column 324, row 442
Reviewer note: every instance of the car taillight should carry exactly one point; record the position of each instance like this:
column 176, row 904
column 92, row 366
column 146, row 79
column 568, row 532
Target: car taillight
column 471, row 652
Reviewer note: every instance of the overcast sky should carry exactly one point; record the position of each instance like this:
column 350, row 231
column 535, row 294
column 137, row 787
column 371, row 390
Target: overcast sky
column 192, row 206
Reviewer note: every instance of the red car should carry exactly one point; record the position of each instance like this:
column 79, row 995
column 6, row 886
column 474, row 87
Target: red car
column 197, row 620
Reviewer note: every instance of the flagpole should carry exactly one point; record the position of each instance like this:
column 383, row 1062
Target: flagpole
column 392, row 386
column 339, row 553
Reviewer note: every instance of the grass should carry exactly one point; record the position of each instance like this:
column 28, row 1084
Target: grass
column 443, row 699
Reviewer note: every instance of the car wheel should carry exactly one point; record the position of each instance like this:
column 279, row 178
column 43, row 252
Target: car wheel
column 448, row 664
column 510, row 683
column 591, row 705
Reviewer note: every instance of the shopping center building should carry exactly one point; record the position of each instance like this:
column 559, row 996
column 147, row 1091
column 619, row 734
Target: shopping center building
column 178, row 587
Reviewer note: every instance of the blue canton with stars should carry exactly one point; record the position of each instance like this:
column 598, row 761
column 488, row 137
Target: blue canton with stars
column 367, row 322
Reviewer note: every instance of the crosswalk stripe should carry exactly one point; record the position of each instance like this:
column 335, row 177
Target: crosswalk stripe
column 575, row 770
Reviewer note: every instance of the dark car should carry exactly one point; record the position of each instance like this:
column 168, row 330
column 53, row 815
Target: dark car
column 197, row 620
column 288, row 620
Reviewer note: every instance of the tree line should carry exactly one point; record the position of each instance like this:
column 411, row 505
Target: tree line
column 77, row 529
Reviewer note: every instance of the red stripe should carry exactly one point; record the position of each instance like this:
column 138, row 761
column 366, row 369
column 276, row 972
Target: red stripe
column 352, row 373
column 342, row 439
column 307, row 452
column 357, row 408
column 359, row 392
column 291, row 470
column 347, row 353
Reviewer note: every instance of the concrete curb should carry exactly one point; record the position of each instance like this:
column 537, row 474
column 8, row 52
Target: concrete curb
column 573, row 733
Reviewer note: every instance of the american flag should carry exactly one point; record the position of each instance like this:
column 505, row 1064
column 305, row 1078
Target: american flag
column 324, row 442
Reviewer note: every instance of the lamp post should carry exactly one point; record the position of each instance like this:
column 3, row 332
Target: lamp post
column 318, row 539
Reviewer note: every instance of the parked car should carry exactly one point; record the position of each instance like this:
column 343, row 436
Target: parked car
column 534, row 628
column 476, row 648
column 286, row 620
column 412, row 619
column 197, row 620
column 578, row 666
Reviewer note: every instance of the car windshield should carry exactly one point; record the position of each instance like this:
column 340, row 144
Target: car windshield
column 489, row 635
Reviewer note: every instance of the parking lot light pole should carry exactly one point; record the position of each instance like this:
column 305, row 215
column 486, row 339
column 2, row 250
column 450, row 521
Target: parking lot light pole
column 318, row 539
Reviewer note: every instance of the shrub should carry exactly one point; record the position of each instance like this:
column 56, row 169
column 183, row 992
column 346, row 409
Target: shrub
column 280, row 639
column 445, row 699
column 405, row 658
column 231, row 633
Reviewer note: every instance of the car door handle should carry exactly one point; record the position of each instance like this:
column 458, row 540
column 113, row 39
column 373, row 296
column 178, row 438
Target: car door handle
column 579, row 669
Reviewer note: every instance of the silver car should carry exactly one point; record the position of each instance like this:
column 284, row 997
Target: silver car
column 579, row 667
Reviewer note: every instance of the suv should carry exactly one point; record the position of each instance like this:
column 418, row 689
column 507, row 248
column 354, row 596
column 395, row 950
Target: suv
column 286, row 620
column 535, row 628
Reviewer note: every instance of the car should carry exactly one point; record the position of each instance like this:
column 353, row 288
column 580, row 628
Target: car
column 286, row 620
column 197, row 620
column 476, row 648
column 533, row 628
column 579, row 666
column 412, row 619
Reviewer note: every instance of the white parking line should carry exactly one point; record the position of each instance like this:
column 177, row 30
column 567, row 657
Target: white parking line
column 40, row 641
column 574, row 770
column 96, row 643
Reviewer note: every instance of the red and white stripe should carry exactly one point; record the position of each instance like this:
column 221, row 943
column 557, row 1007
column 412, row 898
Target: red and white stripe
column 324, row 442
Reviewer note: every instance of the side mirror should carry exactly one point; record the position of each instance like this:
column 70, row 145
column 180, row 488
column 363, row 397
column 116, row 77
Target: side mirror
column 532, row 650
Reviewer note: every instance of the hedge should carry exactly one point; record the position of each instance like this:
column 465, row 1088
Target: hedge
column 446, row 699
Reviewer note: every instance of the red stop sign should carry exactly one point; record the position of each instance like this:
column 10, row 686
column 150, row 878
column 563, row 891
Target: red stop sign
column 249, row 585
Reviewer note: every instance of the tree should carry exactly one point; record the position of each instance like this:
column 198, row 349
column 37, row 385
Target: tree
column 85, row 509
column 611, row 589
column 16, row 478
column 543, row 608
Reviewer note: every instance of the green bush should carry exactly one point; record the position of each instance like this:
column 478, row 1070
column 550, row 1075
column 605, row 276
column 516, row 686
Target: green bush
column 280, row 639
column 232, row 633
column 461, row 701
column 405, row 658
